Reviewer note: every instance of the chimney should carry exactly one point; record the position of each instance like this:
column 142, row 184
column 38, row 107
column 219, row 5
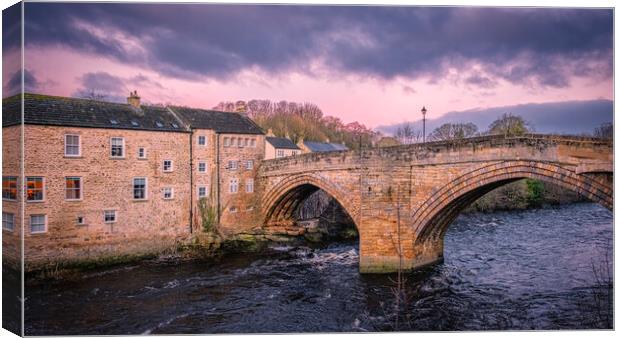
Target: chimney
column 134, row 99
column 327, row 140
column 270, row 132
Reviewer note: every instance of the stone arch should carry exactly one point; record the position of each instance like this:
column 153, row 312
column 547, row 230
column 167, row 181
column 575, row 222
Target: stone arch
column 281, row 201
column 431, row 220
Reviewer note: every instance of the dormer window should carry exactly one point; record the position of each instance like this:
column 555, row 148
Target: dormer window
column 159, row 124
column 174, row 125
column 134, row 123
column 113, row 121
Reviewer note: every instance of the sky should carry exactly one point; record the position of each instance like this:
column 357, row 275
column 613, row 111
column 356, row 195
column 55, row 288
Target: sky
column 376, row 65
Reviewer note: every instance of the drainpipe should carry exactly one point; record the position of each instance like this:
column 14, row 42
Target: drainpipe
column 191, row 180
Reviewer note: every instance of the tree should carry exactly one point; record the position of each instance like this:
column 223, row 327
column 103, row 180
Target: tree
column 509, row 125
column 605, row 130
column 92, row 94
column 406, row 134
column 453, row 131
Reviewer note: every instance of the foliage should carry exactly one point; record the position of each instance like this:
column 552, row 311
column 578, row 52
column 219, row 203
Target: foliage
column 453, row 131
column 605, row 130
column 208, row 210
column 303, row 120
column 535, row 191
column 510, row 125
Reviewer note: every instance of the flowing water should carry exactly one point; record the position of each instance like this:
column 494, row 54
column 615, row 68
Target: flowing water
column 538, row 269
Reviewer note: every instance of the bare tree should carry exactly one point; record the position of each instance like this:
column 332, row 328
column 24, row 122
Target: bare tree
column 453, row 131
column 605, row 130
column 406, row 134
column 93, row 94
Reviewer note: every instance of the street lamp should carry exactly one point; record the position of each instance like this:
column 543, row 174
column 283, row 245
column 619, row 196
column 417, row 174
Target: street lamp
column 423, row 124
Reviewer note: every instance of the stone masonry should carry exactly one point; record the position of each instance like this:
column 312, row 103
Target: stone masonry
column 403, row 198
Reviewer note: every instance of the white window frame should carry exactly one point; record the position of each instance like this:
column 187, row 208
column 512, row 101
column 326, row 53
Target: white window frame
column 204, row 163
column 144, row 156
column 16, row 187
column 105, row 213
column 198, row 191
column 146, row 188
column 44, row 224
column 249, row 185
column 249, row 164
column 239, row 142
column 233, row 165
column 226, row 141
column 79, row 146
column 233, row 186
column 81, row 189
column 42, row 189
column 12, row 228
column 279, row 153
column 171, row 169
column 253, row 143
column 163, row 190
column 122, row 147
column 204, row 138
column 77, row 220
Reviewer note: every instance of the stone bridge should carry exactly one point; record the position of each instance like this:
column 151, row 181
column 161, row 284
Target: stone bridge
column 403, row 198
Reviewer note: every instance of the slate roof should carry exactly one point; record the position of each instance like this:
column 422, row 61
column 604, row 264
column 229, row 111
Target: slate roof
column 319, row 147
column 222, row 122
column 65, row 111
column 281, row 142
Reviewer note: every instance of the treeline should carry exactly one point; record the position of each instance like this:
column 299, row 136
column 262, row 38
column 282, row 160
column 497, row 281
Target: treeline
column 302, row 120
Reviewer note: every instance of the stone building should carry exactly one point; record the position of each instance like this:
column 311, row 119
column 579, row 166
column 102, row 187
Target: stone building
column 276, row 147
column 109, row 179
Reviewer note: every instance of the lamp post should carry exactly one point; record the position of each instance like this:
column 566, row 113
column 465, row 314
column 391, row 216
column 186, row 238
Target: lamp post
column 423, row 124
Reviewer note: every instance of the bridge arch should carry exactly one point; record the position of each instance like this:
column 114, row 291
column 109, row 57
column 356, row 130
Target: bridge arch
column 431, row 220
column 281, row 200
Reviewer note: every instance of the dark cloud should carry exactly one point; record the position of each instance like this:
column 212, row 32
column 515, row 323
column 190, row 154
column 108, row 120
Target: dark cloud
column 481, row 81
column 568, row 117
column 543, row 46
column 11, row 27
column 14, row 85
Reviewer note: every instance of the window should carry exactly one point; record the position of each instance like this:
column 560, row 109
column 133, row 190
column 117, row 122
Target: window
column 117, row 148
column 226, row 142
column 202, row 167
column 142, row 153
column 280, row 153
column 249, row 185
column 73, row 186
column 168, row 193
column 202, row 140
column 139, row 188
column 80, row 220
column 34, row 188
column 234, row 185
column 174, row 125
column 233, row 165
column 233, row 141
column 72, row 145
column 240, row 142
column 249, row 164
column 134, row 123
column 253, row 143
column 8, row 221
column 113, row 121
column 295, row 152
column 159, row 124
column 37, row 224
column 9, row 187
column 246, row 142
column 109, row 216
column 232, row 209
column 167, row 165
column 202, row 191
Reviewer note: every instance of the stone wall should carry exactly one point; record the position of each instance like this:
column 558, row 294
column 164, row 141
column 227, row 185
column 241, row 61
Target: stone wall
column 142, row 226
column 11, row 164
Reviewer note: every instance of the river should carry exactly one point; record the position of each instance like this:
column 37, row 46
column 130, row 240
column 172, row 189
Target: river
column 506, row 270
